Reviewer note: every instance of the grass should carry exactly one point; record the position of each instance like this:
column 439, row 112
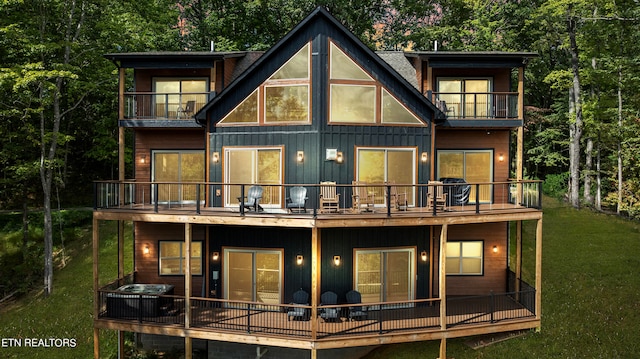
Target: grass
column 590, row 293
column 67, row 312
column 591, row 297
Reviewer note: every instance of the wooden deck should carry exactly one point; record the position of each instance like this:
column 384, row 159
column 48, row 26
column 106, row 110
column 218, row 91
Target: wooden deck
column 240, row 321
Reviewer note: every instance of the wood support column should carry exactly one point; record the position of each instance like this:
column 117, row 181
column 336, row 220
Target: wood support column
column 539, row 269
column 518, row 256
column 96, row 296
column 315, row 282
column 443, row 277
column 520, row 137
column 188, row 348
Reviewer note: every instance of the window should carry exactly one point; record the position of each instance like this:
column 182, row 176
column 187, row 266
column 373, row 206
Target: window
column 283, row 98
column 385, row 275
column 173, row 254
column 253, row 275
column 466, row 97
column 178, row 169
column 381, row 165
column 354, row 95
column 173, row 95
column 474, row 166
column 464, row 258
column 254, row 165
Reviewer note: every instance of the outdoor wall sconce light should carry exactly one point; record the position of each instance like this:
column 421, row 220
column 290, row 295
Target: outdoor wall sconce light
column 336, row 261
column 146, row 249
column 339, row 157
column 215, row 157
column 143, row 159
column 424, row 157
column 495, row 249
column 215, row 256
column 300, row 156
column 299, row 259
column 423, row 256
column 501, row 157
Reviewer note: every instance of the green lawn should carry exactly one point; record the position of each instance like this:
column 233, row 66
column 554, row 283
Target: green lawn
column 67, row 313
column 591, row 297
column 590, row 293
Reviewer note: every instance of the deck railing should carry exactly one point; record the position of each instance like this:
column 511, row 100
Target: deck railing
column 477, row 105
column 208, row 196
column 156, row 105
column 259, row 318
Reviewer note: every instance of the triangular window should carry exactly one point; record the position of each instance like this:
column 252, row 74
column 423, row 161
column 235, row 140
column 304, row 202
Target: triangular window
column 343, row 68
column 284, row 98
column 395, row 112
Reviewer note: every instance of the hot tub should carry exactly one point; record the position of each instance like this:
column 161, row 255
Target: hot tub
column 139, row 300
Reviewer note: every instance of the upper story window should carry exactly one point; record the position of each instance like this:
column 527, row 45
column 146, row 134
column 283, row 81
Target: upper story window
column 284, row 98
column 178, row 172
column 358, row 99
column 469, row 98
column 179, row 98
column 395, row 165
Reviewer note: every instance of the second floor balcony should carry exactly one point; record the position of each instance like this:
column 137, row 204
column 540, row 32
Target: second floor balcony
column 477, row 105
column 163, row 106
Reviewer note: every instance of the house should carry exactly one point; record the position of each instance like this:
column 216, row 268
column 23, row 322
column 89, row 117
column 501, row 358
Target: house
column 273, row 190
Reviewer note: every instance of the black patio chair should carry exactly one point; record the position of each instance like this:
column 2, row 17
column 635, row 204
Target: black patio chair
column 327, row 299
column 297, row 200
column 300, row 297
column 356, row 312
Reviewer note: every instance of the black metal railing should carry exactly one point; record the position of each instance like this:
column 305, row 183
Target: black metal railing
column 386, row 199
column 339, row 320
column 156, row 105
column 490, row 308
column 477, row 105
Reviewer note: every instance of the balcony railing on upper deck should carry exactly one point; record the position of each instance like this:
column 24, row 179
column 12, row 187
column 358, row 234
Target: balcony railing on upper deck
column 477, row 105
column 385, row 198
column 156, row 105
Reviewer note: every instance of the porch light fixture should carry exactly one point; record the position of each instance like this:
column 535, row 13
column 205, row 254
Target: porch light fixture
column 215, row 157
column 300, row 156
column 146, row 249
column 423, row 256
column 339, row 157
column 495, row 249
column 143, row 159
column 336, row 261
column 501, row 157
column 215, row 256
column 299, row 259
column 424, row 157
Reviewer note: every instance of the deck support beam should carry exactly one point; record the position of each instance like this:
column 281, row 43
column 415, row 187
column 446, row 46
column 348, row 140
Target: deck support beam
column 188, row 348
column 96, row 298
column 443, row 277
column 518, row 257
column 443, row 348
column 315, row 282
column 539, row 269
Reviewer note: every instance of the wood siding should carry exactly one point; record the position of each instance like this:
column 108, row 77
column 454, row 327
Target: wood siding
column 147, row 264
column 494, row 277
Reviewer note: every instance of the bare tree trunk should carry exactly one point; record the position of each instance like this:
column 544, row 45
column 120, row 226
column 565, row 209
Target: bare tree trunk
column 618, row 207
column 588, row 170
column 575, row 125
column 598, row 201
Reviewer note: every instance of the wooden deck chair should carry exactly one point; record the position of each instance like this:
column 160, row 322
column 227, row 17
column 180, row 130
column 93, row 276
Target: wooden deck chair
column 436, row 196
column 363, row 197
column 398, row 197
column 329, row 199
column 187, row 111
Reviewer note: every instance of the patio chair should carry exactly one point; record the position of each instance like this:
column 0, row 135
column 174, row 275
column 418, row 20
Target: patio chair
column 300, row 297
column 188, row 109
column 363, row 197
column 252, row 198
column 356, row 312
column 329, row 298
column 329, row 199
column 436, row 196
column 398, row 197
column 297, row 200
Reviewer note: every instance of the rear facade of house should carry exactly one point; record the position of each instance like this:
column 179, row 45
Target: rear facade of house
column 266, row 184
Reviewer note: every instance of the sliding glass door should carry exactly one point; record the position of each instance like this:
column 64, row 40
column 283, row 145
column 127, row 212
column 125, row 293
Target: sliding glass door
column 385, row 275
column 253, row 275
